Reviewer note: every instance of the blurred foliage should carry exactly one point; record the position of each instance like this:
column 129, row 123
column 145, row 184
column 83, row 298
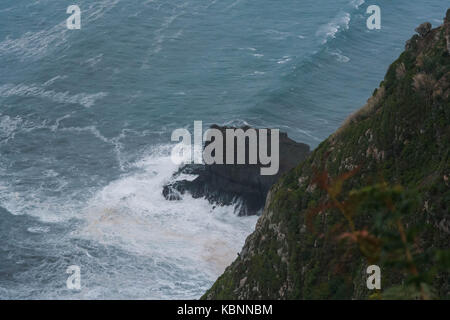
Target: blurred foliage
column 383, row 238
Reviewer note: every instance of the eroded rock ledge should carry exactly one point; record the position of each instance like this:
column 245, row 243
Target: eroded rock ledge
column 236, row 184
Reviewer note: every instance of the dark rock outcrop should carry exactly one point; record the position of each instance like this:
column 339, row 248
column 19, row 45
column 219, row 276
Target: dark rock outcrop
column 423, row 29
column 243, row 185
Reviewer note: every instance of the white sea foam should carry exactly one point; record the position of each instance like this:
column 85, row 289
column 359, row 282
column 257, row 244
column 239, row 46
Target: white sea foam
column 235, row 3
column 237, row 123
column 37, row 203
column 284, row 60
column 132, row 213
column 329, row 31
column 38, row 229
column 357, row 3
column 94, row 60
column 36, row 90
column 249, row 49
column 115, row 141
column 277, row 35
column 34, row 45
column 98, row 9
column 339, row 56
column 53, row 80
column 8, row 127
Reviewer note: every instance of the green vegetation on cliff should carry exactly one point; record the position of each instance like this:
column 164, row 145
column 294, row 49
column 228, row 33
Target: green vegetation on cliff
column 375, row 192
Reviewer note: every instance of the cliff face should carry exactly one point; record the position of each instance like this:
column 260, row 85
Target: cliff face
column 343, row 208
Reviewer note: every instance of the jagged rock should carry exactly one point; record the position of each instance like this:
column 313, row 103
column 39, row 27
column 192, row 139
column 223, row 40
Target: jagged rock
column 236, row 184
column 423, row 29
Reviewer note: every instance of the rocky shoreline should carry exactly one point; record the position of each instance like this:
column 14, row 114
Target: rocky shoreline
column 238, row 184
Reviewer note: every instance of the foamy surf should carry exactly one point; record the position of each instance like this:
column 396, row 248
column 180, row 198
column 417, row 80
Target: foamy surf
column 329, row 31
column 127, row 239
column 132, row 213
column 35, row 90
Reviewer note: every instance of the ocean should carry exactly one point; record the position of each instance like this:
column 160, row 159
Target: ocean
column 86, row 118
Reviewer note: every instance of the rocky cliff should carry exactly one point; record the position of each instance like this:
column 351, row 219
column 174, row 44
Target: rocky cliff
column 240, row 184
column 375, row 192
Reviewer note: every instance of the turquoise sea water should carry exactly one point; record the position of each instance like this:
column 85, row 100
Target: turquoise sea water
column 86, row 117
